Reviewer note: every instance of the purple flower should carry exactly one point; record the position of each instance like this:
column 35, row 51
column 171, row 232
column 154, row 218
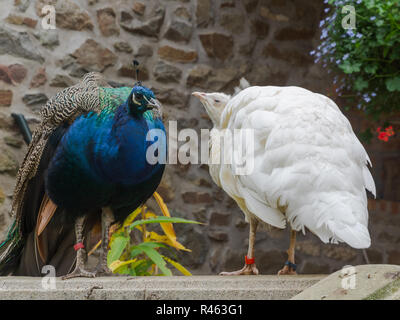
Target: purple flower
column 366, row 98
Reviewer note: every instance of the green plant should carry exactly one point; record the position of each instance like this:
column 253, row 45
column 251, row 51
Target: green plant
column 144, row 258
column 367, row 57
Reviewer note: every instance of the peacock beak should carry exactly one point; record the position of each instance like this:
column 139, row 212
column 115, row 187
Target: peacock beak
column 153, row 103
column 200, row 95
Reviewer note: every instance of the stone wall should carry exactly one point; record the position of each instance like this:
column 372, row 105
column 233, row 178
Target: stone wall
column 184, row 46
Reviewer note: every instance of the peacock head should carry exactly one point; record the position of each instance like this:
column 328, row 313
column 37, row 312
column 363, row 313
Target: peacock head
column 214, row 103
column 141, row 100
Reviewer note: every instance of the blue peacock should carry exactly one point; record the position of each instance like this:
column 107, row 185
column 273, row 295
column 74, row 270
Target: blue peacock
column 87, row 162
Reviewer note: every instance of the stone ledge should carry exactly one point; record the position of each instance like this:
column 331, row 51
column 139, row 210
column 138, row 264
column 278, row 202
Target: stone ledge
column 363, row 282
column 261, row 287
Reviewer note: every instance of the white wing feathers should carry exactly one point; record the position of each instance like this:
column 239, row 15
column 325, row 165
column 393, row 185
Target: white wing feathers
column 369, row 181
column 309, row 167
column 243, row 84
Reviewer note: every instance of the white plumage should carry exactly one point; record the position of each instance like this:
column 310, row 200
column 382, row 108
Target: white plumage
column 310, row 170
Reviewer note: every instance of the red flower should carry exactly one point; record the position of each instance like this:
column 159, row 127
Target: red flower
column 384, row 135
column 389, row 131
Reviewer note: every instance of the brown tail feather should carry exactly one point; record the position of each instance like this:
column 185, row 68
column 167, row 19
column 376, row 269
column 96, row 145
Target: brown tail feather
column 46, row 212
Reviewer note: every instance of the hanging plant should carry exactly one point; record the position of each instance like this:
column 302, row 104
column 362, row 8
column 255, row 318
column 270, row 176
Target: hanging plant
column 366, row 59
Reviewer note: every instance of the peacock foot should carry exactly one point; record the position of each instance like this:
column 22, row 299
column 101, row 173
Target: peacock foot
column 288, row 269
column 103, row 270
column 248, row 269
column 79, row 272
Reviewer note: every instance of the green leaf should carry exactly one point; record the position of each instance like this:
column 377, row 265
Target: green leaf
column 135, row 251
column 123, row 270
column 393, row 84
column 153, row 244
column 132, row 272
column 360, row 84
column 178, row 266
column 141, row 269
column 349, row 67
column 157, row 259
column 117, row 248
column 371, row 68
column 148, row 248
column 385, row 51
column 139, row 248
column 159, row 219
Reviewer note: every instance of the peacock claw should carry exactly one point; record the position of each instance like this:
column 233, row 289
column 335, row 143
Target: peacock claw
column 248, row 269
column 79, row 272
column 286, row 270
column 103, row 270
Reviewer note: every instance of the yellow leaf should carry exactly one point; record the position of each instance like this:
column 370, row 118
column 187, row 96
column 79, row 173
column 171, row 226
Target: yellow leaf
column 114, row 228
column 178, row 266
column 154, row 236
column 179, row 246
column 150, row 214
column 167, row 227
column 154, row 269
column 161, row 204
column 118, row 264
column 128, row 221
column 94, row 248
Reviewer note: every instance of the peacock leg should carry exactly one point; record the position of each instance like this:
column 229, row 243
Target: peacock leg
column 81, row 256
column 107, row 218
column 250, row 266
column 290, row 267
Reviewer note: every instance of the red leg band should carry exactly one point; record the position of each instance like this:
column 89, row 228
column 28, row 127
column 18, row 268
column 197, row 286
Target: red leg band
column 249, row 261
column 78, row 246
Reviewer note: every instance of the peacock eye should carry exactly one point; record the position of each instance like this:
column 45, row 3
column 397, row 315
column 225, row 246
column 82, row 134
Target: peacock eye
column 217, row 101
column 139, row 96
